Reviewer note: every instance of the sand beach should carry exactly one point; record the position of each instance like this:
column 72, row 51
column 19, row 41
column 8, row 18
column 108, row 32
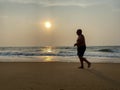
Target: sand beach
column 58, row 76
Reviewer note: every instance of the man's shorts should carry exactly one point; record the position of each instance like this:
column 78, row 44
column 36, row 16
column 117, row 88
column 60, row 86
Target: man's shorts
column 81, row 50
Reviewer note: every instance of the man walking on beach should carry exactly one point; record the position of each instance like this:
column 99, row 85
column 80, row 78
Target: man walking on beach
column 81, row 47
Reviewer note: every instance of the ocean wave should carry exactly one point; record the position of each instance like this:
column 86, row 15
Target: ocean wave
column 106, row 50
column 59, row 51
column 34, row 54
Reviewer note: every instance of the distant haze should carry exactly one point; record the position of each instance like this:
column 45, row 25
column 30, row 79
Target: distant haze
column 21, row 22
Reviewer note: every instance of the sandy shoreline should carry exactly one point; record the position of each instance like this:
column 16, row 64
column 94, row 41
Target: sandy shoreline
column 59, row 76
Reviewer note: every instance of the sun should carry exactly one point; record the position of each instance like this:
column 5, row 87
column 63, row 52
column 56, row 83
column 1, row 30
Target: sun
column 48, row 24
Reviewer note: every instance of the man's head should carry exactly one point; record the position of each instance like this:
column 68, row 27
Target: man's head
column 79, row 32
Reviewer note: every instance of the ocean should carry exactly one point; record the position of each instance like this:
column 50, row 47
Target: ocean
column 59, row 54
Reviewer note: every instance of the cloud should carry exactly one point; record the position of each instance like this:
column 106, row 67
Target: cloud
column 19, row 1
column 114, row 4
column 51, row 3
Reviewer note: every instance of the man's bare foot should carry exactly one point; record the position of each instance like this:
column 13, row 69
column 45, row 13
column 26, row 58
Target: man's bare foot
column 81, row 67
column 89, row 65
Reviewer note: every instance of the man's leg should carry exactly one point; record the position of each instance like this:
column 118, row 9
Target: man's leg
column 89, row 64
column 81, row 61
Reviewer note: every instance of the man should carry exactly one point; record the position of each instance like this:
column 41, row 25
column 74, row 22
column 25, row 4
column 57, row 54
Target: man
column 81, row 47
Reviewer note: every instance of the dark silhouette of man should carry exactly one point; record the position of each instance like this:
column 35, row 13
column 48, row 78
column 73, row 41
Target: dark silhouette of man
column 81, row 47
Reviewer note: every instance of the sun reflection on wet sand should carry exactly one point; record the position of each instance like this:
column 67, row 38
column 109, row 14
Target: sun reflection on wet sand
column 48, row 59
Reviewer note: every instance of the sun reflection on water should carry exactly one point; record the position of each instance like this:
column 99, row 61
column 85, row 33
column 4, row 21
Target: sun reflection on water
column 48, row 49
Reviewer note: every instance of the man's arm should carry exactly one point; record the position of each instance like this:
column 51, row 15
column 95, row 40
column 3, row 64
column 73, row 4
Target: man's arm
column 75, row 44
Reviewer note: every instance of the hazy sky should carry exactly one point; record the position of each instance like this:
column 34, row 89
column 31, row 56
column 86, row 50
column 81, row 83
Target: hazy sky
column 21, row 22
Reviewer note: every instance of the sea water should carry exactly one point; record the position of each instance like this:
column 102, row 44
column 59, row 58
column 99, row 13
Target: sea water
column 60, row 54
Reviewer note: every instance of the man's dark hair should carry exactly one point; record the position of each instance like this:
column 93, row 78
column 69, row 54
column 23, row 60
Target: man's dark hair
column 79, row 31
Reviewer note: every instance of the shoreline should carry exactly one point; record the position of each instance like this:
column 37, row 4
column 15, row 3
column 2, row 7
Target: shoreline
column 58, row 76
column 57, row 59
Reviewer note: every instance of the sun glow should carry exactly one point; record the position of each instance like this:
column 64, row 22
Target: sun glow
column 48, row 24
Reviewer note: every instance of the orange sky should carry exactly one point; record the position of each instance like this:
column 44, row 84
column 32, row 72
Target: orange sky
column 21, row 22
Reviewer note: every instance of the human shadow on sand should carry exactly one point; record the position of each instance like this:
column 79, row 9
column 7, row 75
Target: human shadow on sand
column 104, row 77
